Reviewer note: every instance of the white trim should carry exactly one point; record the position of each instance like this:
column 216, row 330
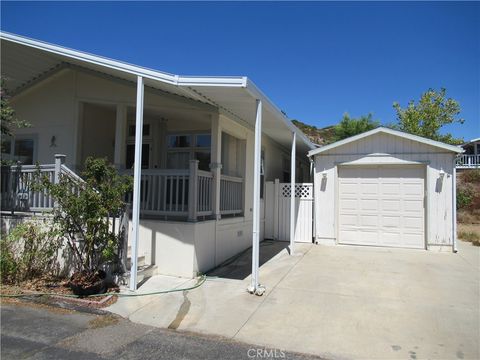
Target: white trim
column 384, row 130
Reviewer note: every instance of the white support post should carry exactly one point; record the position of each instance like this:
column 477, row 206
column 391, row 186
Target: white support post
column 59, row 160
column 120, row 136
column 454, row 207
column 137, row 173
column 292, row 193
column 215, row 165
column 275, row 209
column 255, row 287
column 193, row 191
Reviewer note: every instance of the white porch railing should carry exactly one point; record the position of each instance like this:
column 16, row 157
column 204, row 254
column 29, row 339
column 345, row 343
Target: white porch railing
column 205, row 191
column 18, row 192
column 231, row 195
column 468, row 161
column 182, row 193
column 163, row 192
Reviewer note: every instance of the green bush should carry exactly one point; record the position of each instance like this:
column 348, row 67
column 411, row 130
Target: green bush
column 465, row 196
column 29, row 251
column 82, row 217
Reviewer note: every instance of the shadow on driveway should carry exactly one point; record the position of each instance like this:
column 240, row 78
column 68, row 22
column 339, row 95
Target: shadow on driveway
column 239, row 267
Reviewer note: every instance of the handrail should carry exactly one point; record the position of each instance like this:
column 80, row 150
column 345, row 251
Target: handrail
column 231, row 178
column 71, row 174
column 174, row 172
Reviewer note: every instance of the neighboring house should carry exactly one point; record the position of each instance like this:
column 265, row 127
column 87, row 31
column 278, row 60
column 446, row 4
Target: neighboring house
column 198, row 144
column 386, row 188
column 470, row 159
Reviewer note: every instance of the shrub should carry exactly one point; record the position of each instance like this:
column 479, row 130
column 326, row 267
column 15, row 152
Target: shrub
column 471, row 176
column 465, row 196
column 82, row 217
column 470, row 236
column 29, row 251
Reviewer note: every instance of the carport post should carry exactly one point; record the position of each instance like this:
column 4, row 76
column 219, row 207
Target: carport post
column 292, row 192
column 137, row 173
column 255, row 287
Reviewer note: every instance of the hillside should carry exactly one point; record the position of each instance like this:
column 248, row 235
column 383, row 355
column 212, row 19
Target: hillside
column 318, row 136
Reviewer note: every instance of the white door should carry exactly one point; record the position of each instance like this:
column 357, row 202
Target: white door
column 381, row 205
column 277, row 211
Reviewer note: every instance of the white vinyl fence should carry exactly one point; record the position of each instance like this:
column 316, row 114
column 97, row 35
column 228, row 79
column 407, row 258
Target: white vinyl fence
column 277, row 211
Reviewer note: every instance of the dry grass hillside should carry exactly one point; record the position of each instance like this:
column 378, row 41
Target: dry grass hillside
column 323, row 136
column 468, row 205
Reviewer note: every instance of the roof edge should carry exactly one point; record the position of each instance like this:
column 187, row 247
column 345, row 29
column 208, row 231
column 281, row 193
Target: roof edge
column 389, row 131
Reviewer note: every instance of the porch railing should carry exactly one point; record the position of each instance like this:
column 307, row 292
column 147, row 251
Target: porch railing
column 182, row 193
column 18, row 192
column 163, row 192
column 231, row 195
column 468, row 161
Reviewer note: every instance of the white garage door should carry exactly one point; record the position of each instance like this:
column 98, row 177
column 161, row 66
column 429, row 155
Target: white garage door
column 381, row 206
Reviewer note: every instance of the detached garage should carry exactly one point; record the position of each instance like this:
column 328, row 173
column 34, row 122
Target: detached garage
column 386, row 188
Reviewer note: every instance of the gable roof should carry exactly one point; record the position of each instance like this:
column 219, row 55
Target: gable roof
column 235, row 96
column 385, row 130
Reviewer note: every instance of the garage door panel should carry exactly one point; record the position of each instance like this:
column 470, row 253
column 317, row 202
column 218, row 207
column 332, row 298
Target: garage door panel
column 382, row 206
column 369, row 221
column 391, row 204
column 349, row 204
column 369, row 204
column 391, row 221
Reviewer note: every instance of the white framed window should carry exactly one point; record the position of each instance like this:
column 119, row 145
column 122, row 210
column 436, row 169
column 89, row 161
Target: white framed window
column 146, row 145
column 20, row 148
column 183, row 147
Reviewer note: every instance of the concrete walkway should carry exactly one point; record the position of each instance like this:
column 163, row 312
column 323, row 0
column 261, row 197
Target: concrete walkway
column 336, row 302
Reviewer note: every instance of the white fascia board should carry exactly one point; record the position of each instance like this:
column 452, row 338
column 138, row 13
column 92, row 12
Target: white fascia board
column 223, row 81
column 255, row 92
column 401, row 134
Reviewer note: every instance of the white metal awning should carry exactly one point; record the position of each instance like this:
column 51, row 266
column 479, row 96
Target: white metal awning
column 26, row 61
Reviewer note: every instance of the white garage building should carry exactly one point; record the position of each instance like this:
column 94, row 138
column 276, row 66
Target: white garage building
column 386, row 188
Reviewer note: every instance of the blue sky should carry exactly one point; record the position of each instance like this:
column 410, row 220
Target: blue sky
column 314, row 60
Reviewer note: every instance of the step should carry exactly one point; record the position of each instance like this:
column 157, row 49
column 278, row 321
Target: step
column 144, row 272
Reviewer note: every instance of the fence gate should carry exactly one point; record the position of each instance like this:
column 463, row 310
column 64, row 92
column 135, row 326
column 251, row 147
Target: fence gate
column 277, row 211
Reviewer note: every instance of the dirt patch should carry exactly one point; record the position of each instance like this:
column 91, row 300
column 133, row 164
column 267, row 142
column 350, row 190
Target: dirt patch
column 102, row 321
column 54, row 289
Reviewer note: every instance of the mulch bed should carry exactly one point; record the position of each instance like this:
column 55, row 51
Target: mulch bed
column 57, row 287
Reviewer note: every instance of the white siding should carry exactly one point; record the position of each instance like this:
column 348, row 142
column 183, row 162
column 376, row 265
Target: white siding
column 386, row 149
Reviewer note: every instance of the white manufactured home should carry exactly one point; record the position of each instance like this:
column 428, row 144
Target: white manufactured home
column 192, row 144
column 217, row 167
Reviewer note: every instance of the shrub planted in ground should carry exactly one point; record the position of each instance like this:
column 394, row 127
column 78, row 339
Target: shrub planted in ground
column 470, row 236
column 465, row 196
column 471, row 176
column 28, row 252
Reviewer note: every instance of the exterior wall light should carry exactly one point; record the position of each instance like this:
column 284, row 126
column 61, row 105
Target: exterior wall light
column 441, row 174
column 324, row 174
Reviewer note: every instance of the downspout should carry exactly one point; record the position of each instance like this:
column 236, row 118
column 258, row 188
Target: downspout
column 454, row 206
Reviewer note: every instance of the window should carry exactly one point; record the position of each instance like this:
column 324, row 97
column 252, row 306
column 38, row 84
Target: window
column 185, row 147
column 179, row 141
column 286, row 169
column 131, row 130
column 21, row 149
column 130, row 158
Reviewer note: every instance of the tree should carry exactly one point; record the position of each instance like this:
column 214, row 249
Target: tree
column 349, row 126
column 429, row 115
column 8, row 117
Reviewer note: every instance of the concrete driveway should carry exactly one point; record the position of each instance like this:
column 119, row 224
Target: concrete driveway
column 336, row 302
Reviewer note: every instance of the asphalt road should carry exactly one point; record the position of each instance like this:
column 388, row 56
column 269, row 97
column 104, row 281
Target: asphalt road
column 41, row 332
